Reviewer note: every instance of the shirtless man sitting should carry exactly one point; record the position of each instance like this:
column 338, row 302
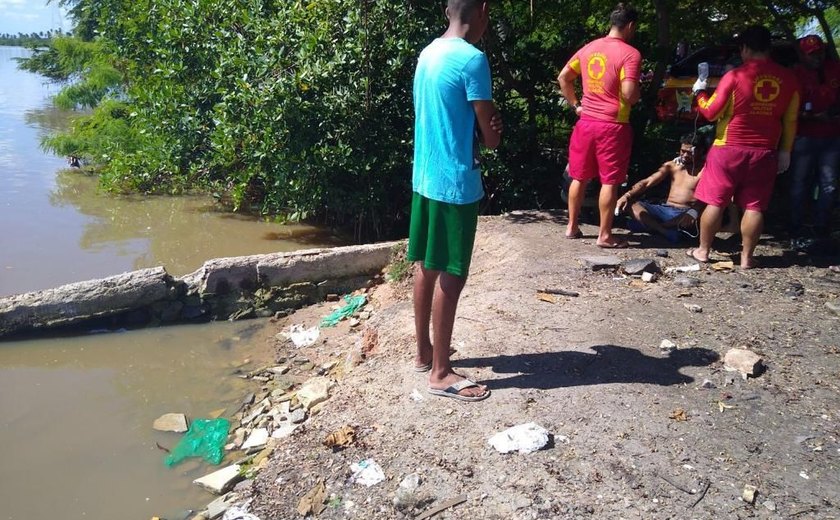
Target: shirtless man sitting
column 681, row 209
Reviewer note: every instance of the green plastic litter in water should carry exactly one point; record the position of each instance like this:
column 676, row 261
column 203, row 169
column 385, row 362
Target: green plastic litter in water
column 354, row 303
column 205, row 438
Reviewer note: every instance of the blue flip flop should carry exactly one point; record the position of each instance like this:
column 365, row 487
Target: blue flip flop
column 452, row 391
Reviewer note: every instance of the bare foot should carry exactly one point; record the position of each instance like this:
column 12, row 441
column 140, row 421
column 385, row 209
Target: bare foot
column 749, row 263
column 424, row 356
column 694, row 254
column 573, row 232
column 452, row 378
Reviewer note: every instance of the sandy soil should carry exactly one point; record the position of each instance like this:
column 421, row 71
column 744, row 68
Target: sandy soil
column 638, row 432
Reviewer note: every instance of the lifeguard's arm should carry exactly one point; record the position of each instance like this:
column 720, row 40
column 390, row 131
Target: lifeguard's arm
column 638, row 189
column 713, row 107
column 489, row 123
column 631, row 91
column 566, row 80
column 789, row 120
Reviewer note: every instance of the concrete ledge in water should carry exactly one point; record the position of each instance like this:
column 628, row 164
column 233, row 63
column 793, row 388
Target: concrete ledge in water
column 222, row 288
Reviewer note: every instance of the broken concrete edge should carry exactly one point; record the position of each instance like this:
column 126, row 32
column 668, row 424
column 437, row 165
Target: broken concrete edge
column 223, row 288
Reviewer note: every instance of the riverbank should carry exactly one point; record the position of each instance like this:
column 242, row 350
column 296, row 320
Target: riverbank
column 640, row 428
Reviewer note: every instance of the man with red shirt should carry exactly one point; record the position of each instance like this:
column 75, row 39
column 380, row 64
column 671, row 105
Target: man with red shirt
column 816, row 151
column 755, row 106
column 602, row 138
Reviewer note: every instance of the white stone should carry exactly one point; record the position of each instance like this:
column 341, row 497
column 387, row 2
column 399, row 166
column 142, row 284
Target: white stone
column 667, row 346
column 314, row 391
column 524, row 438
column 220, row 481
column 748, row 495
column 257, row 439
column 283, row 431
column 171, row 422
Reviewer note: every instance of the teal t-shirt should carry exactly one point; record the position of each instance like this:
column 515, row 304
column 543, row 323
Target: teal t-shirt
column 450, row 74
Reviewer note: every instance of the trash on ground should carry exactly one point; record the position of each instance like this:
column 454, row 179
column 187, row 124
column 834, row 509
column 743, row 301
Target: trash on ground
column 417, row 396
column 693, row 307
column 237, row 513
column 723, row 406
column 545, row 297
column 724, row 266
column 313, row 501
column 205, row 438
column 561, row 292
column 367, row 473
column 406, row 497
column 301, row 336
column 341, row 438
column 648, row 277
column 683, row 269
column 354, row 303
column 678, row 415
column 452, row 502
column 524, row 438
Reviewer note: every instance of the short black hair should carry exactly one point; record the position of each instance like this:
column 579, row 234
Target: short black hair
column 756, row 38
column 461, row 9
column 622, row 15
column 696, row 141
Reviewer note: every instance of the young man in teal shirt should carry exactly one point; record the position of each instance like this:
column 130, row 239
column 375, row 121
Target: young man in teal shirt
column 453, row 109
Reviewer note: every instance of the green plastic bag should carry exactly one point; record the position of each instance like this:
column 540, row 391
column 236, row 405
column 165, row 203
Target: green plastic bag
column 205, row 438
column 354, row 303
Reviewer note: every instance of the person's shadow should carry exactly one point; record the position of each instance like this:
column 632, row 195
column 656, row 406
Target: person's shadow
column 609, row 364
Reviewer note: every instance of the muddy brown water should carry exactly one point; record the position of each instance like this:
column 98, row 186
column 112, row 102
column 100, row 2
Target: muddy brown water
column 76, row 413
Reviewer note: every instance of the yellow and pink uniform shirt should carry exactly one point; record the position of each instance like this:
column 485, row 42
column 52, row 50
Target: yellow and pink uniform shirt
column 603, row 64
column 756, row 106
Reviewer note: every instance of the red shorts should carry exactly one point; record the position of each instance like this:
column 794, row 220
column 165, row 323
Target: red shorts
column 600, row 149
column 747, row 174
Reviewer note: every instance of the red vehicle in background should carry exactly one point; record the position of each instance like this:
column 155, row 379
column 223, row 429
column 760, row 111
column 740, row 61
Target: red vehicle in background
column 675, row 101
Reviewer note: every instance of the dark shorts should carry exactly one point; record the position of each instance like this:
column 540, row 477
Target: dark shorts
column 442, row 235
column 746, row 175
column 663, row 212
column 600, row 149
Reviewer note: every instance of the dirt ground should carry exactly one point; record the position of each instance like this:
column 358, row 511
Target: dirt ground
column 637, row 432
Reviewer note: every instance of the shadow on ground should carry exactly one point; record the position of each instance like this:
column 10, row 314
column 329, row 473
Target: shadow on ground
column 609, row 364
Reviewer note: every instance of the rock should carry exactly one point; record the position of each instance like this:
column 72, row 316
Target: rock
column 257, row 439
column 794, row 290
column 314, row 391
column 279, row 370
column 256, row 411
column 667, row 346
column 833, row 307
column 639, row 266
column 742, row 360
column 220, row 481
column 648, row 277
column 661, row 253
column 601, row 262
column 239, row 437
column 693, row 307
column 283, row 431
column 707, row 384
column 217, row 508
column 406, row 498
column 769, row 504
column 748, row 495
column 297, row 416
column 685, row 281
column 171, row 422
column 524, row 438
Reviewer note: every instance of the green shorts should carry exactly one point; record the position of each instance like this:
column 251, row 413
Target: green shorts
column 442, row 235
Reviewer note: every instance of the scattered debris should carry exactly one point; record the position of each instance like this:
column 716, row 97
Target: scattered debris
column 648, row 277
column 638, row 266
column 221, row 481
column 301, row 336
column 524, row 438
column 683, row 269
column 406, row 497
column 341, row 438
column 749, row 493
column 354, row 303
column 561, row 292
column 236, row 513
column 367, row 473
column 723, row 266
column 723, row 406
column 452, row 502
column 679, row 415
column 417, row 396
column 313, row 501
column 693, row 307
column 545, row 297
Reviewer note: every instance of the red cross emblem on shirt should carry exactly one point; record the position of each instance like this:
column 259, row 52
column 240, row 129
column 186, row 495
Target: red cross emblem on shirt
column 596, row 67
column 766, row 90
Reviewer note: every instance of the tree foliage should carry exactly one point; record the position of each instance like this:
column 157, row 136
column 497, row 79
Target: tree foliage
column 304, row 107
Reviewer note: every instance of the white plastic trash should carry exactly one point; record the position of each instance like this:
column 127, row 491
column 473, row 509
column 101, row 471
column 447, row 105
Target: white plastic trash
column 302, row 337
column 367, row 473
column 237, row 513
column 524, row 438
